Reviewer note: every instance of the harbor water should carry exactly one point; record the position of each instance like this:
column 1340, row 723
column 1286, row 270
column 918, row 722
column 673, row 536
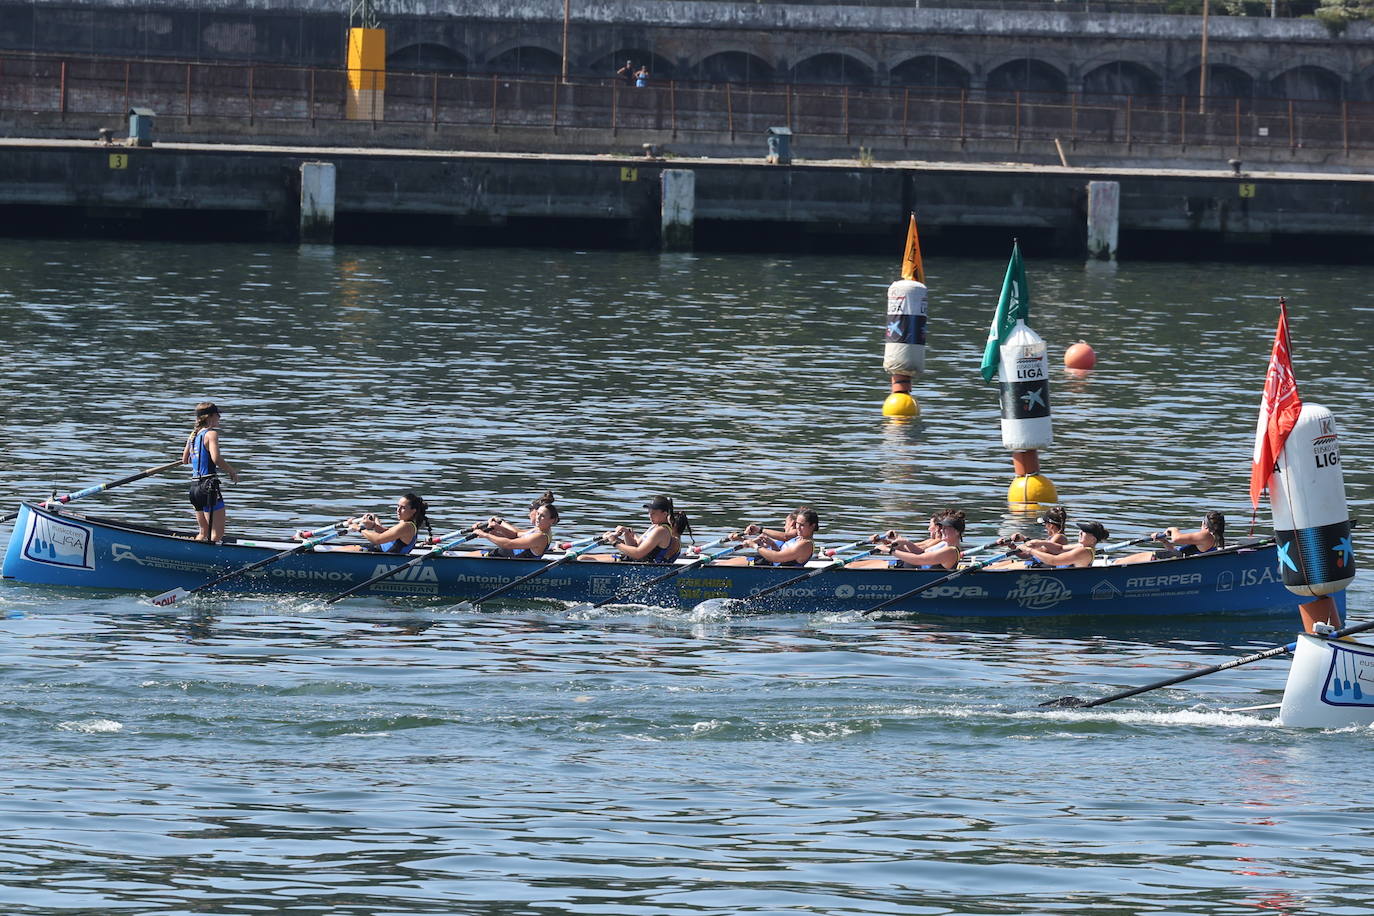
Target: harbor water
column 247, row 755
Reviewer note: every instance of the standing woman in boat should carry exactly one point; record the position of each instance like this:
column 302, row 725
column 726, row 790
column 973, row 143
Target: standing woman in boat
column 528, row 544
column 411, row 513
column 661, row 542
column 203, row 455
column 1211, row 536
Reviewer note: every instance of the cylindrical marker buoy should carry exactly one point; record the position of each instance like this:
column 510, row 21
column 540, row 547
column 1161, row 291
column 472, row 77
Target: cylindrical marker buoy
column 1311, row 521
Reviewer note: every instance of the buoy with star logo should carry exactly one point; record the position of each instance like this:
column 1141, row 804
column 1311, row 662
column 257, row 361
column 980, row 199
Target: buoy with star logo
column 1311, row 519
column 1023, row 373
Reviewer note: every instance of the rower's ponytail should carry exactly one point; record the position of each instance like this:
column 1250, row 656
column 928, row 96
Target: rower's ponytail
column 1215, row 523
column 679, row 523
column 421, row 513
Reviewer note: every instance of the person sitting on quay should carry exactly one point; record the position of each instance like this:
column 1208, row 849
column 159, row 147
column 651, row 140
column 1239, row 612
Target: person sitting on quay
column 1211, row 536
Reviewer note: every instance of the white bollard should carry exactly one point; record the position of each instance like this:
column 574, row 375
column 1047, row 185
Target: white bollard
column 1104, row 219
column 679, row 188
column 317, row 202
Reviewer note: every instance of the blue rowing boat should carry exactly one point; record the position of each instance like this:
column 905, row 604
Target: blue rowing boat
column 56, row 547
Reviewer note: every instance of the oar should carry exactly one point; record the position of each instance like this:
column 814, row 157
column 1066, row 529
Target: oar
column 589, row 544
column 101, row 487
column 177, row 594
column 699, row 561
column 837, row 563
column 444, row 543
column 940, row 581
column 1076, row 703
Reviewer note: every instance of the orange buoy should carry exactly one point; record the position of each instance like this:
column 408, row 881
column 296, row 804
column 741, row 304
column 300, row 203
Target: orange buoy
column 1080, row 356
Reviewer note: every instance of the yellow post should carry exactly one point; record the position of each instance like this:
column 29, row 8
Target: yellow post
column 366, row 75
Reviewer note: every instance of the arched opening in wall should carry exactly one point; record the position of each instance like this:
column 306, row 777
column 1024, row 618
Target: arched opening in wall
column 832, row 69
column 1223, row 81
column 1309, row 84
column 733, row 67
column 931, row 72
column 1121, row 77
column 660, row 68
column 1026, row 75
column 427, row 58
column 526, row 61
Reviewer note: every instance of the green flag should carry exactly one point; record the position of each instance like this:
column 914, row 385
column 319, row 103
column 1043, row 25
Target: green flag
column 1013, row 306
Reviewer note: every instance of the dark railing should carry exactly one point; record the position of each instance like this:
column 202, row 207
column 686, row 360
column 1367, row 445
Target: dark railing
column 886, row 116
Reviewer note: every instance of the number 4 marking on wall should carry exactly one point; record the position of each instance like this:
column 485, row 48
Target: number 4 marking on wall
column 628, row 173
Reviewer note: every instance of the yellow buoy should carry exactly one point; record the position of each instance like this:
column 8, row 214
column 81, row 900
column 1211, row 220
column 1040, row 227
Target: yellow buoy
column 1033, row 488
column 901, row 404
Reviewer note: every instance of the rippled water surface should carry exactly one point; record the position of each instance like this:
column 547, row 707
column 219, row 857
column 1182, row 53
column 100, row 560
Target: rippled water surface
column 236, row 755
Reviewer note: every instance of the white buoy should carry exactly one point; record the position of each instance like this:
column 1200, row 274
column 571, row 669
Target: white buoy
column 1311, row 520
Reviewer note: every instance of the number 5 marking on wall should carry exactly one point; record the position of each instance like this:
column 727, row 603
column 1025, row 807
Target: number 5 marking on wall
column 119, row 160
column 1247, row 190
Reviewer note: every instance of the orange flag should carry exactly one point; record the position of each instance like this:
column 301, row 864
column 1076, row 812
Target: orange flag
column 912, row 268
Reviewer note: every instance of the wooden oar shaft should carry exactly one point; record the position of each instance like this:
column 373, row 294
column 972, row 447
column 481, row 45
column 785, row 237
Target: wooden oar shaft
column 101, row 487
column 1202, row 672
column 811, row 573
column 570, row 555
column 444, row 543
column 699, row 561
column 177, row 593
column 940, row 581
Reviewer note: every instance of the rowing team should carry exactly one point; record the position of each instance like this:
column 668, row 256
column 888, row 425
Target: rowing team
column 791, row 545
column 661, row 542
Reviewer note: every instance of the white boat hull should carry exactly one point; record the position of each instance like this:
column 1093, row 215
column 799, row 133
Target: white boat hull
column 1330, row 685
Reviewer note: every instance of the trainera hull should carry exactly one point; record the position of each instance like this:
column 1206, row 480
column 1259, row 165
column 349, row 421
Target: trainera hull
column 65, row 549
column 1330, row 685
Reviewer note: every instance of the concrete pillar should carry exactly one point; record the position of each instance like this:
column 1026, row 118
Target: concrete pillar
column 317, row 202
column 1104, row 215
column 679, row 208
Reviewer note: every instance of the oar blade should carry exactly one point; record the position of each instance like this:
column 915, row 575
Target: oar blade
column 171, row 597
column 1065, row 703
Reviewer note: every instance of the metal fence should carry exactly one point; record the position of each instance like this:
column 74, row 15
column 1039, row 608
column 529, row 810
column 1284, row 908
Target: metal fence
column 886, row 116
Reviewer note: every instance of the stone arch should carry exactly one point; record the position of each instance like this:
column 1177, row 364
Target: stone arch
column 1308, row 83
column 427, row 57
column 1122, row 77
column 525, row 59
column 930, row 71
column 607, row 64
column 1027, row 74
column 1223, row 81
column 733, row 67
column 834, row 68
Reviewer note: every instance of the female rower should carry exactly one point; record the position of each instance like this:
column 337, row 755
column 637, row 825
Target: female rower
column 203, row 455
column 944, row 553
column 400, row 538
column 773, row 537
column 528, row 544
column 1053, row 543
column 1211, row 536
column 1090, row 534
column 661, row 542
column 892, row 541
column 799, row 547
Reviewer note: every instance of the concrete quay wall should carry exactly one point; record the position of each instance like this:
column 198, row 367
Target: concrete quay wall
column 384, row 195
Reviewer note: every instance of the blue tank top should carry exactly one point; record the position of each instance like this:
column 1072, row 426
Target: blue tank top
column 397, row 546
column 665, row 554
column 201, row 464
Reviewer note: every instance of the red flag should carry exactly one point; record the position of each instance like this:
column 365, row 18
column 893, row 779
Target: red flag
column 1278, row 411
